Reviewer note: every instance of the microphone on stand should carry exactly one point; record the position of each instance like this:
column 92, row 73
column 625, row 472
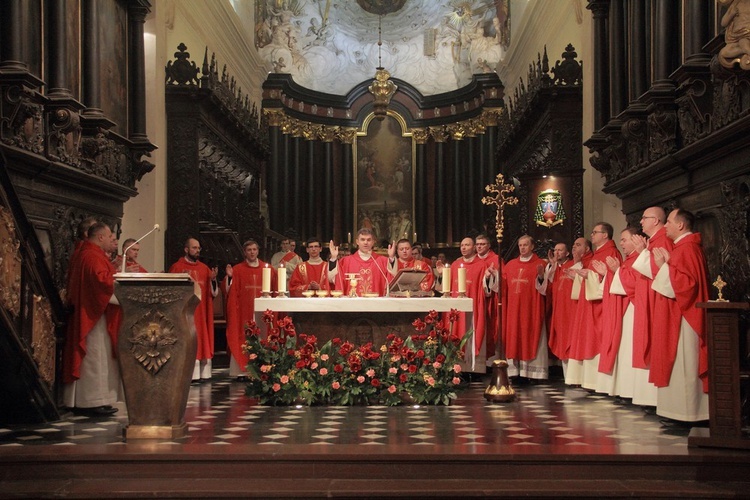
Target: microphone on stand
column 125, row 251
column 387, row 285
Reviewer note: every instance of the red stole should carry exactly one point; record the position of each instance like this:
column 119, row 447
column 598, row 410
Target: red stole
column 523, row 308
column 92, row 287
column 563, row 311
column 614, row 309
column 305, row 274
column 247, row 282
column 373, row 274
column 474, row 290
column 203, row 317
column 587, row 329
column 491, row 258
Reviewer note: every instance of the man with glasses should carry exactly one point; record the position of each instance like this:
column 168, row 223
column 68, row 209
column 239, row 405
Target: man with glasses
column 588, row 323
column 649, row 305
column 311, row 274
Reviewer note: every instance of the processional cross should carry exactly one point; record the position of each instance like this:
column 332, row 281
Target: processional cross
column 500, row 390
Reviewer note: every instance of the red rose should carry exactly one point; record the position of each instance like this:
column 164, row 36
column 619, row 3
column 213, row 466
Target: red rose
column 301, row 364
column 338, row 368
column 375, row 382
column 412, row 368
column 420, row 353
column 440, row 358
column 403, row 377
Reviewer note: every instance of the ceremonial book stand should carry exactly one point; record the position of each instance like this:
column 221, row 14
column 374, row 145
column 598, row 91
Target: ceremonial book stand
column 156, row 349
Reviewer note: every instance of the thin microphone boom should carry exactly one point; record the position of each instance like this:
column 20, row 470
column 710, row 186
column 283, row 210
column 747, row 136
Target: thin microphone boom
column 125, row 251
column 387, row 285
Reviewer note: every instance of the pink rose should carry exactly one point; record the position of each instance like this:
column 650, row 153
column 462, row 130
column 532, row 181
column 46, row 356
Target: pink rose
column 360, row 379
column 265, row 368
column 276, row 387
column 457, row 368
column 370, row 373
column 324, row 371
column 392, row 389
column 252, row 356
column 324, row 357
column 393, row 370
column 456, row 381
column 436, row 365
column 430, row 381
column 284, row 379
column 335, row 385
column 313, row 366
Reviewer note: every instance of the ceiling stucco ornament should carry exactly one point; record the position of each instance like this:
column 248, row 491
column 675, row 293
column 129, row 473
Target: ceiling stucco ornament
column 327, row 46
column 381, row 7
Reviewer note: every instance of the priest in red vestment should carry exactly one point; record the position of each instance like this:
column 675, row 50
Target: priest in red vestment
column 405, row 260
column 588, row 322
column 524, row 332
column 244, row 282
column 82, row 234
column 370, row 269
column 557, row 287
column 652, row 310
column 311, row 274
column 491, row 259
column 132, row 265
column 475, row 289
column 679, row 357
column 582, row 254
column 90, row 372
column 203, row 317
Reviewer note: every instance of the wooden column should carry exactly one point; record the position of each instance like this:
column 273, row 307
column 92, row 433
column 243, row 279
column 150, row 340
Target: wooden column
column 665, row 42
column 618, row 57
column 11, row 40
column 347, row 137
column 697, row 31
column 441, row 188
column 275, row 139
column 137, row 73
column 725, row 414
column 328, row 191
column 600, row 10
column 294, row 194
column 638, row 49
column 91, row 70
column 458, row 205
column 310, row 193
column 420, row 187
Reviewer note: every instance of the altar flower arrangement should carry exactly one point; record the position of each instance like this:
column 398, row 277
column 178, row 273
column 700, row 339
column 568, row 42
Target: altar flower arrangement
column 289, row 368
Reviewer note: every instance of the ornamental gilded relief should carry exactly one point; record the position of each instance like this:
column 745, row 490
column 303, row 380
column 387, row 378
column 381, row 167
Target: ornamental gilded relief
column 152, row 339
column 10, row 264
column 43, row 339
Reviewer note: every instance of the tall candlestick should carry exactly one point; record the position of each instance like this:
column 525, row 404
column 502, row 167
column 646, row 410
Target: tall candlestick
column 446, row 279
column 462, row 279
column 281, row 271
column 266, row 283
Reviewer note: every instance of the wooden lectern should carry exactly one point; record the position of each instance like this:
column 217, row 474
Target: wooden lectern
column 156, row 349
column 725, row 414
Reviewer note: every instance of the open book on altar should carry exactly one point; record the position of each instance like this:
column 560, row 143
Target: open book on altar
column 407, row 283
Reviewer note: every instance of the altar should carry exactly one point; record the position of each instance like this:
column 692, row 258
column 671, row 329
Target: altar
column 367, row 319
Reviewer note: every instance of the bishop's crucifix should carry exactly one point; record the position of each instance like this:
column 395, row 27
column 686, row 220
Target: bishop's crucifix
column 500, row 390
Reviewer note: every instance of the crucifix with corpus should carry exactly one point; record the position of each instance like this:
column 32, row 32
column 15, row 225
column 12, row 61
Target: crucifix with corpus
column 500, row 390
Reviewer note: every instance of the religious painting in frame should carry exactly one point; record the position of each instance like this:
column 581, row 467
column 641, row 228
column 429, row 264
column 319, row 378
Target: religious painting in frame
column 384, row 179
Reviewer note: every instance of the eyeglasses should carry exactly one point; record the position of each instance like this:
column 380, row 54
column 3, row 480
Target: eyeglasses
column 600, row 232
column 648, row 217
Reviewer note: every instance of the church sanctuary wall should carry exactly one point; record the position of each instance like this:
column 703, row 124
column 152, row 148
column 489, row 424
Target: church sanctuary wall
column 554, row 24
column 674, row 133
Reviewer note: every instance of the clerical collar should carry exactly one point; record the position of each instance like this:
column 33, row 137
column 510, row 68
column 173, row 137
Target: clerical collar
column 469, row 260
column 525, row 259
column 364, row 256
column 682, row 236
column 252, row 264
column 316, row 260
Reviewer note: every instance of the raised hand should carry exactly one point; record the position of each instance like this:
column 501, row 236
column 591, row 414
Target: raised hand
column 392, row 250
column 334, row 250
column 229, row 270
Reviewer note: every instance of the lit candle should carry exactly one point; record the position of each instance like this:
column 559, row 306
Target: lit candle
column 266, row 283
column 281, row 272
column 415, row 237
column 446, row 278
column 462, row 279
column 349, row 238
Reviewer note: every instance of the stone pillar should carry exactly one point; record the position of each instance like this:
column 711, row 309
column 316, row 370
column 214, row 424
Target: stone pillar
column 137, row 69
column 347, row 137
column 697, row 30
column 421, row 203
column 441, row 189
column 638, row 49
column 618, row 57
column 665, row 42
column 600, row 10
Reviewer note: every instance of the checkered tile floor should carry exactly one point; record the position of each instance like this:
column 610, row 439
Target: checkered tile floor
column 548, row 415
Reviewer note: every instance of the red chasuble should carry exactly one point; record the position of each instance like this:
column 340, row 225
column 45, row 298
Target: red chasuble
column 307, row 273
column 92, row 287
column 614, row 309
column 247, row 282
column 588, row 324
column 204, row 312
column 373, row 274
column 523, row 308
column 136, row 267
column 429, row 280
column 474, row 290
column 491, row 258
column 656, row 314
column 563, row 311
column 687, row 274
